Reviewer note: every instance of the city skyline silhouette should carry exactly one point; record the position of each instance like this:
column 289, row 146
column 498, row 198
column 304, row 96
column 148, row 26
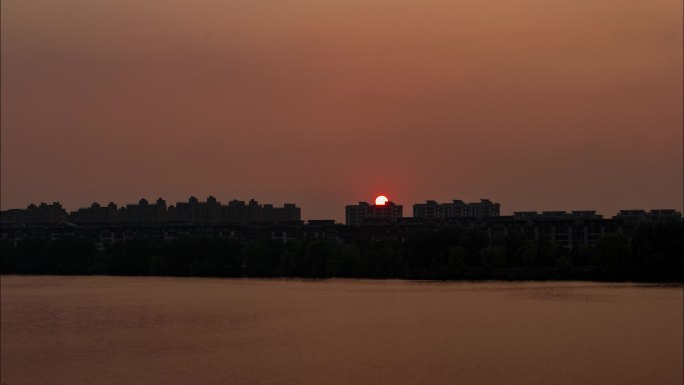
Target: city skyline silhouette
column 341, row 192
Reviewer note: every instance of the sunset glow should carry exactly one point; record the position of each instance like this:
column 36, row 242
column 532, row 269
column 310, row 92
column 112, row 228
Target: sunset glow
column 530, row 93
column 381, row 200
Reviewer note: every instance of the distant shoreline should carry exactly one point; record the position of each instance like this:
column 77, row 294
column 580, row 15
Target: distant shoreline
column 652, row 252
column 674, row 284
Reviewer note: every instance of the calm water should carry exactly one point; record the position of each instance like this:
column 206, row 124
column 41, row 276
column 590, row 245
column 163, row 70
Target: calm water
column 110, row 330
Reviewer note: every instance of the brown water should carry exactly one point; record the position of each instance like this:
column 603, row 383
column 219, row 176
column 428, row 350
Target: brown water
column 110, row 330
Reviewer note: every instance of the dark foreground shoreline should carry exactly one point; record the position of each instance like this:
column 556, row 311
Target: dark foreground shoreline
column 652, row 254
column 656, row 284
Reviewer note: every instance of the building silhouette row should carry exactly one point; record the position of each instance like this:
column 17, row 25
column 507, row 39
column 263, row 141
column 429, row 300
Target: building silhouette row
column 566, row 229
column 456, row 209
column 365, row 213
column 250, row 220
column 431, row 211
column 193, row 211
column 238, row 212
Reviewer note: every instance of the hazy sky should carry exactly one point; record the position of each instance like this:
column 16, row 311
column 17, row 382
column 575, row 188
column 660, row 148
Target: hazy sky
column 537, row 104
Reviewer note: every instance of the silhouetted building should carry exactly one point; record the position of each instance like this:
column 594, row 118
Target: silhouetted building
column 267, row 213
column 355, row 214
column 96, row 214
column 194, row 211
column 654, row 214
column 632, row 213
column 577, row 214
column 428, row 210
column 665, row 213
column 365, row 213
column 239, row 220
column 586, row 214
column 236, row 212
column 41, row 214
column 12, row 216
column 482, row 209
column 144, row 212
column 288, row 213
column 457, row 209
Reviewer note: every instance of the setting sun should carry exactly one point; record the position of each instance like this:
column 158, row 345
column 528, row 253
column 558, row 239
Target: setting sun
column 381, row 200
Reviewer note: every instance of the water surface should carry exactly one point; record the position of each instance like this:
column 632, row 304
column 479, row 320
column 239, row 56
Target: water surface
column 120, row 330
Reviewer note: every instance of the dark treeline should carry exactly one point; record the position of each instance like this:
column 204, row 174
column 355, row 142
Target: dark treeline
column 653, row 253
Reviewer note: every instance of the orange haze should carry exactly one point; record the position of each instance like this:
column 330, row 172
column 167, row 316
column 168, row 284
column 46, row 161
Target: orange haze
column 538, row 105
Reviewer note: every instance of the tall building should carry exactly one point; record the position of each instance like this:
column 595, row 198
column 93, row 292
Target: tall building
column 41, row 214
column 363, row 212
column 144, row 212
column 235, row 212
column 194, row 211
column 428, row 210
column 269, row 213
column 483, row 208
column 95, row 214
column 355, row 214
column 456, row 209
column 288, row 213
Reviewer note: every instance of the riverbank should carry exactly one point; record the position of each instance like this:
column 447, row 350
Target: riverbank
column 651, row 254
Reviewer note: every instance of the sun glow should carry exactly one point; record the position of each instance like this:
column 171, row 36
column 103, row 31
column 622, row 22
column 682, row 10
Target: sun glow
column 381, row 200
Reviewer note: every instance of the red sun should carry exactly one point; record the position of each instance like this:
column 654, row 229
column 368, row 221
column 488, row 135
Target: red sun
column 381, row 200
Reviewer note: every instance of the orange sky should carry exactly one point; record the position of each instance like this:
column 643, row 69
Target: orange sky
column 538, row 105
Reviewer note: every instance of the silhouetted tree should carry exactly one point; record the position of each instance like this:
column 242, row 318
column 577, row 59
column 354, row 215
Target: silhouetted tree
column 654, row 252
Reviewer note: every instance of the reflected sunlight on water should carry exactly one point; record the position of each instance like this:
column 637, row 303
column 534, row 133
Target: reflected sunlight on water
column 114, row 330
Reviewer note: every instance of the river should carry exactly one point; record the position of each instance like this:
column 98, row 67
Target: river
column 134, row 330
